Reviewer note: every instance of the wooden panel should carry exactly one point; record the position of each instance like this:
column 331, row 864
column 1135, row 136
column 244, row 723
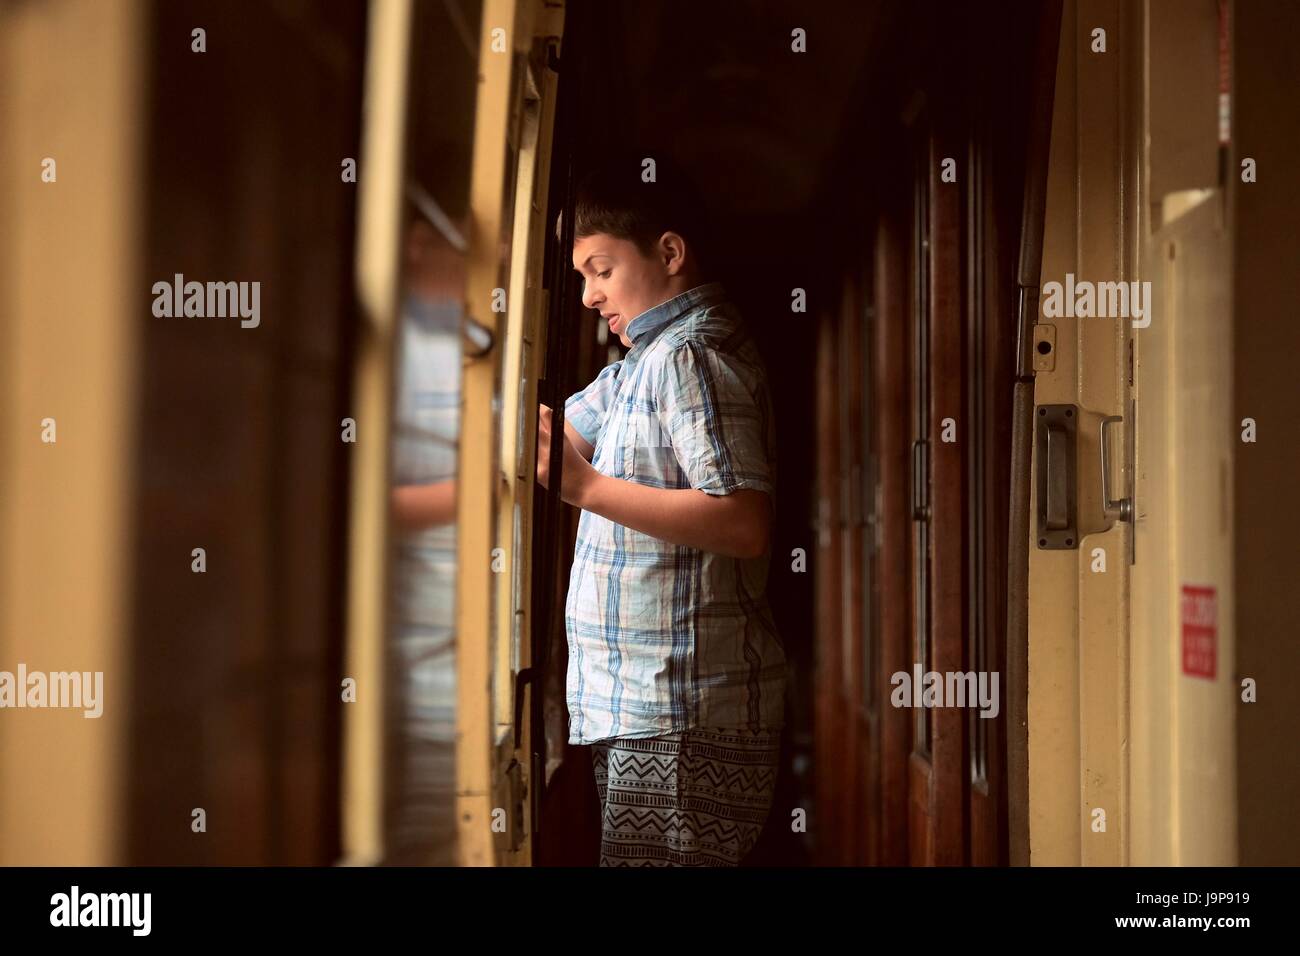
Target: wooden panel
column 920, row 830
column 948, row 499
column 829, row 722
column 994, row 230
column 853, row 635
column 920, row 812
column 241, row 453
column 893, row 582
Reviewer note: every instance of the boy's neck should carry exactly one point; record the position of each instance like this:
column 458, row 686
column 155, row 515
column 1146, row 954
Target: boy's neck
column 683, row 282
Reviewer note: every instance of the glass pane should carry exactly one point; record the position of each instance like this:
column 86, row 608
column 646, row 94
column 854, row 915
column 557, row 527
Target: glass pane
column 420, row 822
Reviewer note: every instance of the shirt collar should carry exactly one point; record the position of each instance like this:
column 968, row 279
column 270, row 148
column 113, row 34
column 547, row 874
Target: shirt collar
column 649, row 323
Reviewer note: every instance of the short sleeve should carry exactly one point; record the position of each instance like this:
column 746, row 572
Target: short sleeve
column 715, row 412
column 585, row 410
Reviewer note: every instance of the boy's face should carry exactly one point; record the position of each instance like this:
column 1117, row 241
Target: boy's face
column 621, row 281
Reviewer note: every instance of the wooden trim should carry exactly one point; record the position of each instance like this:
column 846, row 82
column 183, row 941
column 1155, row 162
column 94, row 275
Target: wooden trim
column 920, row 811
column 476, row 737
column 947, row 493
column 377, row 267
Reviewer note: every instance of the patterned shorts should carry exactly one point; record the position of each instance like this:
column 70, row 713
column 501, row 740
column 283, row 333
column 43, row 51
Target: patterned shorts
column 694, row 798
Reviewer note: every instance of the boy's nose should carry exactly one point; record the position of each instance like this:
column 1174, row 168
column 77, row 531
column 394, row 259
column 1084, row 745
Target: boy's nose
column 589, row 297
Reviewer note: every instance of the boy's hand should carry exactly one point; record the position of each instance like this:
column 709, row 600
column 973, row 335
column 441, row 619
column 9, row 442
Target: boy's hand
column 578, row 472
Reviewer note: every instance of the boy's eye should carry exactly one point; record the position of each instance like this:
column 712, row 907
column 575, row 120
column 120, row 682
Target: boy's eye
column 603, row 275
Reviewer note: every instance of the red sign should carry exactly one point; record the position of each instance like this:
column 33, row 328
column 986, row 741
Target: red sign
column 1200, row 615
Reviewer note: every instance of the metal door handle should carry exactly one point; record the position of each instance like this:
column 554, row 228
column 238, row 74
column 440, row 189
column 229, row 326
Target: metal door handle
column 1055, row 440
column 1121, row 508
column 920, row 478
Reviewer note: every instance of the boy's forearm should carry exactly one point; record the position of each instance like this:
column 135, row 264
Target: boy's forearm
column 416, row 507
column 734, row 525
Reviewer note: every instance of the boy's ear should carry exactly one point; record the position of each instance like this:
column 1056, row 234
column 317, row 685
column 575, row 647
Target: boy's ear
column 672, row 250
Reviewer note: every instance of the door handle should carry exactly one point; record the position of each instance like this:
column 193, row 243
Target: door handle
column 1121, row 508
column 522, row 680
column 920, row 480
column 1055, row 439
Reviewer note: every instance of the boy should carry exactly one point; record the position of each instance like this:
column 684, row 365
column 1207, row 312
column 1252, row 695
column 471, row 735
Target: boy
column 676, row 672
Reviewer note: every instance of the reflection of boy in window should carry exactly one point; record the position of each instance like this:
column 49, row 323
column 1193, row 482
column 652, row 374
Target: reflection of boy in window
column 428, row 390
column 420, row 816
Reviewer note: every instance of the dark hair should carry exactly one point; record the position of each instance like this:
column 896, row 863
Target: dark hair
column 615, row 199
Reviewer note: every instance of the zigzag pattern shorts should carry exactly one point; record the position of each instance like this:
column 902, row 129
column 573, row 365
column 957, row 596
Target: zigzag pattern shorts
column 695, row 798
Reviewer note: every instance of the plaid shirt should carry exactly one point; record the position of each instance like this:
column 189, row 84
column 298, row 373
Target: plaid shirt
column 664, row 638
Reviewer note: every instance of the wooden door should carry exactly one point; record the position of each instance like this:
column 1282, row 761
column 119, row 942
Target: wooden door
column 944, row 336
column 936, row 785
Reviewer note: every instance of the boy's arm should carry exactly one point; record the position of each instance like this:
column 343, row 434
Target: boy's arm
column 416, row 507
column 737, row 525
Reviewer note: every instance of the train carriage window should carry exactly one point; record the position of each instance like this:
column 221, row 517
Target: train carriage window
column 419, row 819
column 510, row 598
